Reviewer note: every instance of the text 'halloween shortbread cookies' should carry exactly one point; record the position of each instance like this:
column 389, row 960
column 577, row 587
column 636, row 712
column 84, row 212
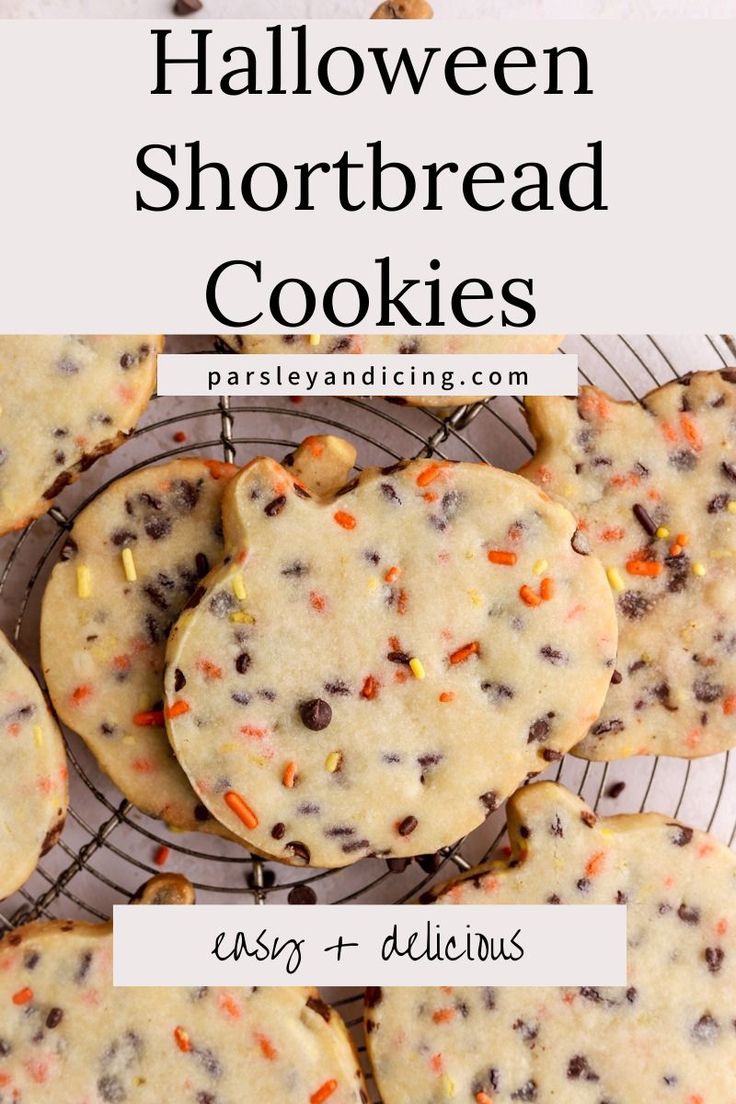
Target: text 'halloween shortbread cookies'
column 64, row 401
column 373, row 674
column 133, row 559
column 670, row 1036
column 653, row 486
column 33, row 773
column 68, row 1036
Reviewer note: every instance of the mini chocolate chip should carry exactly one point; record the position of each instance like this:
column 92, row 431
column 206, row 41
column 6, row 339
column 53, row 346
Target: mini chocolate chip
column 644, row 519
column 489, row 800
column 729, row 470
column 579, row 1069
column 187, row 7
column 430, row 864
column 682, row 836
column 398, row 657
column 688, row 915
column 407, row 826
column 706, row 1030
column 316, row 714
column 201, row 813
column 389, row 492
column 615, row 790
column 298, row 850
column 242, row 663
column 54, row 1018
column 275, row 506
column 580, row 543
column 538, row 730
column 714, row 957
column 302, row 895
column 179, row 679
column 278, row 831
column 616, row 678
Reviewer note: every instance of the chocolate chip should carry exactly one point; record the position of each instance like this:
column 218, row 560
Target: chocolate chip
column 298, row 850
column 616, row 678
column 615, row 790
column 316, row 714
column 242, row 663
column 613, row 724
column 54, row 1018
column 373, row 996
column 157, row 527
column 729, row 470
column 714, row 957
column 490, row 800
column 682, row 836
column 202, row 565
column 526, row 1093
column 187, row 7
column 201, row 813
column 397, row 866
column 706, row 1030
column 278, row 831
column 407, row 826
column 580, row 543
column 553, row 655
column 317, row 1005
column 683, row 460
column 634, row 605
column 705, row 691
column 302, row 895
column 389, row 492
column 275, row 506
column 579, row 1069
column 295, row 570
column 5, row 1048
column 430, row 864
column 689, row 915
column 399, row 657
column 111, row 1090
column 539, row 730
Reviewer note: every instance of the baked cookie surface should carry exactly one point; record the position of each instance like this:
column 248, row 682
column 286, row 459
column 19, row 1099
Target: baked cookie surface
column 653, row 487
column 133, row 559
column 429, row 635
column 33, row 773
column 669, row 1036
column 68, row 1036
column 65, row 401
column 380, row 345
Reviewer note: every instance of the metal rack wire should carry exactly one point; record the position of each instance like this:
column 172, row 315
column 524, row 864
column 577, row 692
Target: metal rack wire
column 108, row 847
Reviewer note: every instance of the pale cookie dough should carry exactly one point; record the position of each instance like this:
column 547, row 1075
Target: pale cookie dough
column 403, row 9
column 68, row 1037
column 654, row 490
column 378, row 345
column 65, row 401
column 373, row 674
column 668, row 1038
column 33, row 774
column 133, row 560
column 322, row 463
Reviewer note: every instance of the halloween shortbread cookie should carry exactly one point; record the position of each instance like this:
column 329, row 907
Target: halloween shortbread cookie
column 379, row 345
column 68, row 1036
column 654, row 490
column 670, row 1036
column 64, row 402
column 131, row 563
column 33, row 773
column 374, row 673
column 403, row 9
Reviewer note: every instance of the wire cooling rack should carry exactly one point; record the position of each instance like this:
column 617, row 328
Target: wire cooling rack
column 107, row 849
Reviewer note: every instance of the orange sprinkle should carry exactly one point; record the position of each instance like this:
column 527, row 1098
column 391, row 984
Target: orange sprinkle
column 682, row 539
column 593, row 403
column 345, row 520
column 154, row 717
column 595, row 864
column 81, row 693
column 528, row 597
column 162, row 855
column 370, row 688
column 323, row 1092
column 289, row 775
column 437, row 1062
column 230, row 1006
column 428, row 475
column 547, row 589
column 178, row 709
column 315, row 446
column 392, row 574
column 630, row 480
column 443, row 1015
column 498, row 556
column 650, row 568
column 209, row 669
column 483, row 1098
column 317, row 602
column 669, row 432
column 694, row 737
column 696, row 1098
column 182, row 1040
column 23, row 996
column 675, row 549
column 430, row 496
column 729, row 705
column 447, row 696
column 220, row 470
column 4, row 1080
column 180, row 436
column 121, row 662
column 403, row 602
column 268, row 1050
column 691, row 432
column 465, row 652
column 722, row 927
column 612, row 534
column 143, row 766
column 241, row 809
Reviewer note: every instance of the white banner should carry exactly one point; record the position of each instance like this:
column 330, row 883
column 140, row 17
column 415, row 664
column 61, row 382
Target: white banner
column 495, row 177
column 363, row 374
column 358, row 945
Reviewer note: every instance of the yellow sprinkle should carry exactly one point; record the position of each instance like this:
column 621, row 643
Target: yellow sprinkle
column 663, row 532
column 475, row 597
column 732, row 506
column 314, row 339
column 699, row 569
column 614, row 578
column 540, row 567
column 373, row 582
column 243, row 618
column 38, row 735
column 129, row 741
column 129, row 565
column 227, row 748
column 84, row 581
column 470, row 554
column 417, row 668
column 333, row 760
column 448, row 1086
column 239, row 587
column 607, row 833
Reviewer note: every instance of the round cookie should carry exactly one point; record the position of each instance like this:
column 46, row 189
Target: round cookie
column 380, row 345
column 68, row 1036
column 403, row 9
column 429, row 635
column 104, row 642
column 33, row 777
column 669, row 1037
column 65, row 401
column 654, row 489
